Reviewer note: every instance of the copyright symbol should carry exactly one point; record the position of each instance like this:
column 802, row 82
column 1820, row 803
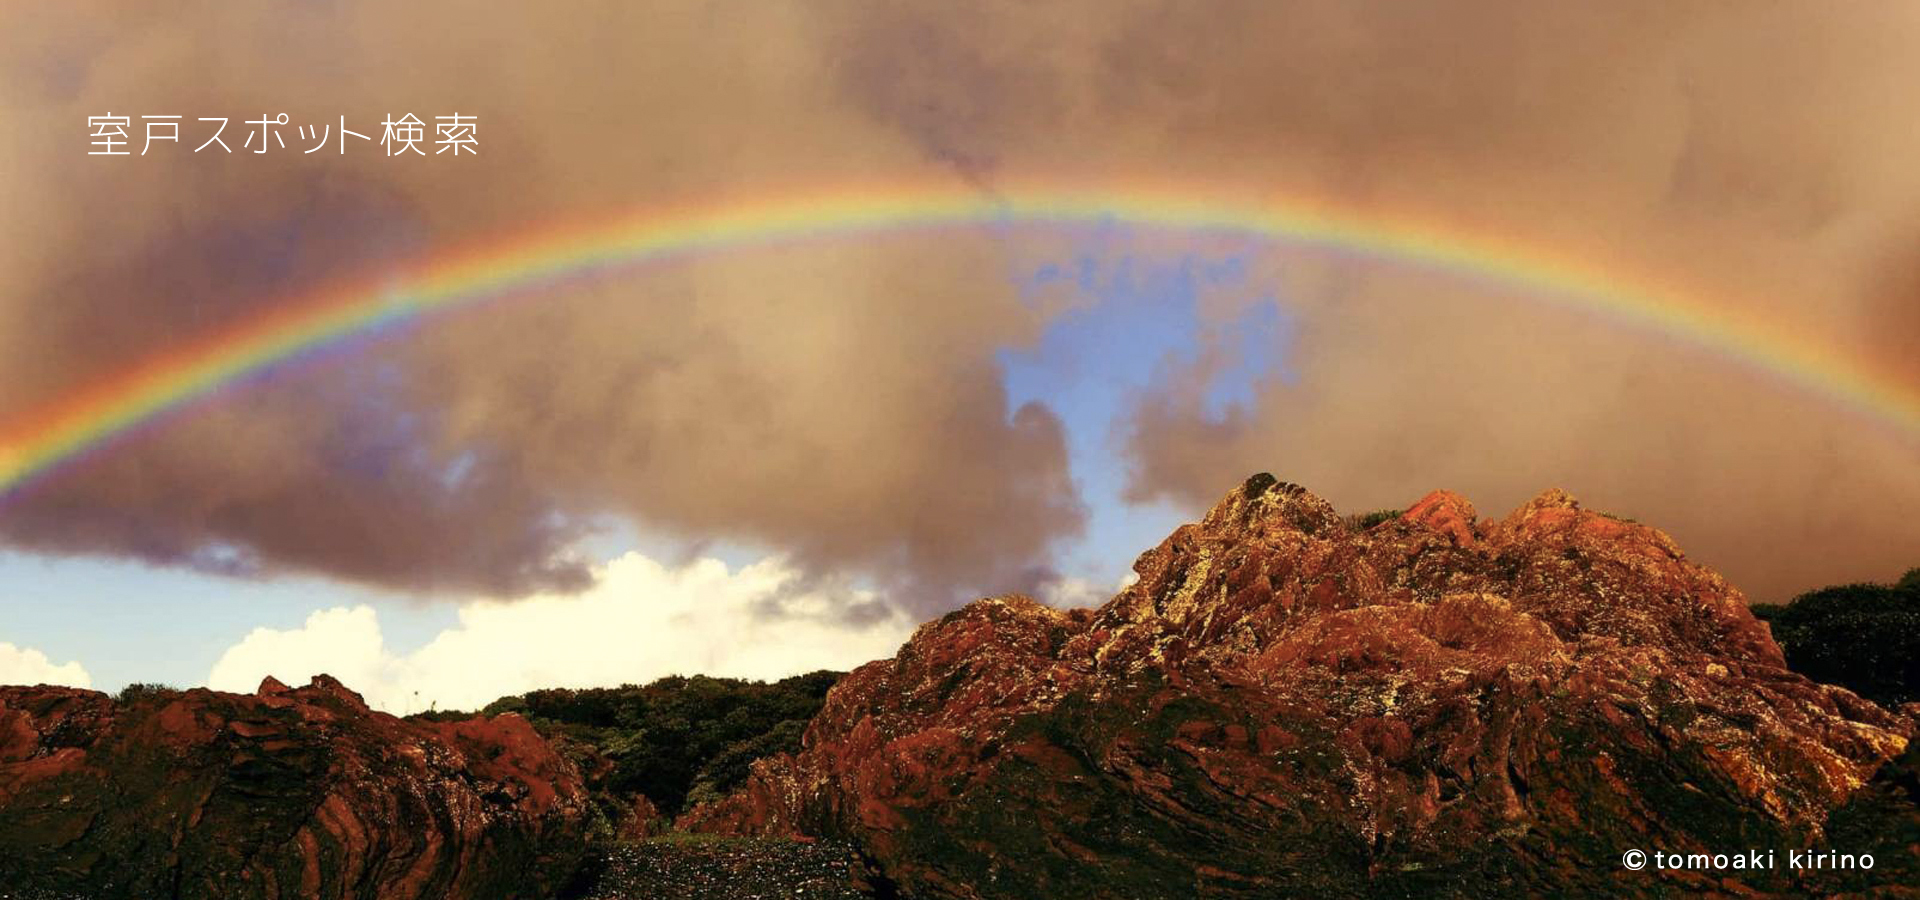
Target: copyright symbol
column 1634, row 860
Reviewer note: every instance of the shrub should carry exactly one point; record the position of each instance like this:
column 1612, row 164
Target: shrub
column 1863, row 637
column 1364, row 521
column 145, row 690
column 666, row 738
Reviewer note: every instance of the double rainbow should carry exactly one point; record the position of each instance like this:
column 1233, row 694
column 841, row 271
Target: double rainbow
column 38, row 441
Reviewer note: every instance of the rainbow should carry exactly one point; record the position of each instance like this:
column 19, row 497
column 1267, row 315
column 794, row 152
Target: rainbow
column 43, row 438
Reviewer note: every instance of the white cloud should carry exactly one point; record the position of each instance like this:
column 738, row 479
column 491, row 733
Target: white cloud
column 343, row 642
column 640, row 621
column 25, row 665
column 1071, row 592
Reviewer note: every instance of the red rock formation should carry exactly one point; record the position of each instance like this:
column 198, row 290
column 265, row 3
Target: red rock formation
column 1284, row 706
column 286, row 793
column 643, row 820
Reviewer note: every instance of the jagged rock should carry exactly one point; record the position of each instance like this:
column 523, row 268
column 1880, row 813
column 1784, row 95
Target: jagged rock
column 642, row 820
column 1284, row 706
column 1881, row 819
column 287, row 793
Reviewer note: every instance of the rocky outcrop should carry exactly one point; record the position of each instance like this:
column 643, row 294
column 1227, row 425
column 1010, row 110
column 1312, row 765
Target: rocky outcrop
column 1881, row 820
column 287, row 793
column 1284, row 705
column 642, row 820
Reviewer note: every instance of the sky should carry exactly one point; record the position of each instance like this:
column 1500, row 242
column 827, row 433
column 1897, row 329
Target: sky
column 766, row 459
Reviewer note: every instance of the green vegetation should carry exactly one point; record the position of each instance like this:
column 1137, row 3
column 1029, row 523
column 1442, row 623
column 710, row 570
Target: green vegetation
column 1364, row 521
column 143, row 690
column 1863, row 637
column 678, row 741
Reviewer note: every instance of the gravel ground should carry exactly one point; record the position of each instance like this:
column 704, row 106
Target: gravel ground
column 692, row 867
column 708, row 868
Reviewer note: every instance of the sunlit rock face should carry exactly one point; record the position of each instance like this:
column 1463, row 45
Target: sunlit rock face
column 1287, row 705
column 285, row 794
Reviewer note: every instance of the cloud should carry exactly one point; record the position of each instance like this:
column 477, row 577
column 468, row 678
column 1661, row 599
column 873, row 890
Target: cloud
column 641, row 621
column 25, row 665
column 1768, row 483
column 842, row 404
column 1074, row 592
column 1740, row 160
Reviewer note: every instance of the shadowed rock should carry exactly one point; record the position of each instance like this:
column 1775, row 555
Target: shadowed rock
column 1284, row 706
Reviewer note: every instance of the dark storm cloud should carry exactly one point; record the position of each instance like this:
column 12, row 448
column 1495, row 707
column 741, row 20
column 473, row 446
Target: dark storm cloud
column 1893, row 309
column 959, row 98
column 1767, row 482
column 843, row 403
column 1751, row 158
column 845, row 409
